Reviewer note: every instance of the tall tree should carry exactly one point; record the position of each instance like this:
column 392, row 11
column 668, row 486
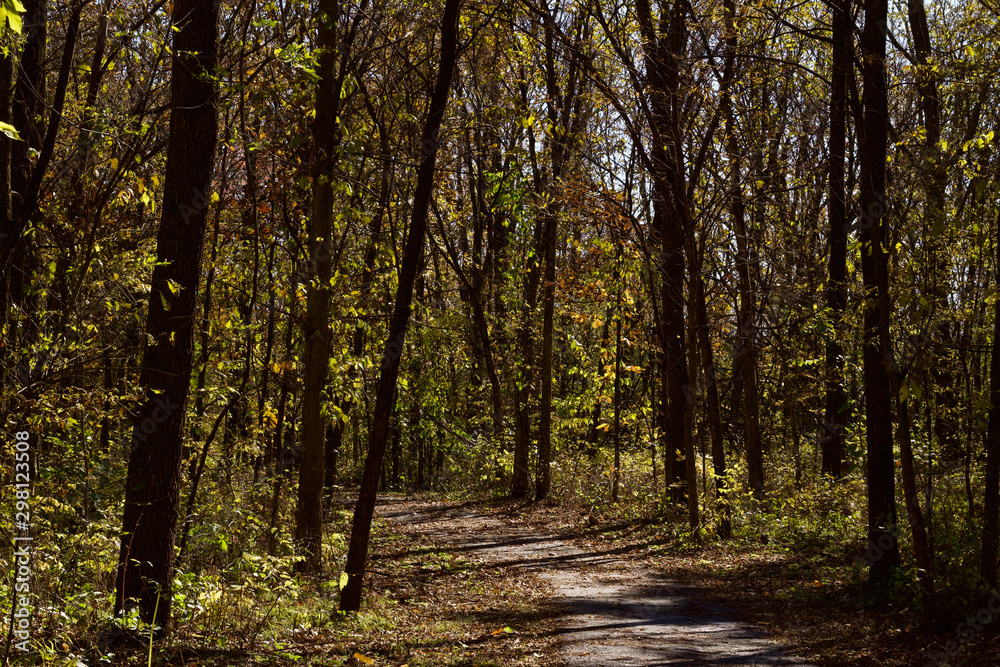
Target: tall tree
column 991, row 485
column 563, row 118
column 745, row 349
column 357, row 555
column 23, row 98
column 332, row 69
column 836, row 291
column 874, row 268
column 145, row 561
column 664, row 39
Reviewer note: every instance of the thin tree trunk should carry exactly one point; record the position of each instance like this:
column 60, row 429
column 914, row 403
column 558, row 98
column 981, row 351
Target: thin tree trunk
column 663, row 44
column 7, row 67
column 835, row 420
column 745, row 363
column 332, row 70
column 333, row 444
column 357, row 555
column 237, row 426
column 523, row 377
column 723, row 505
column 921, row 546
column 22, row 102
column 277, row 450
column 593, row 436
column 618, row 382
column 690, row 390
column 991, row 486
column 543, row 473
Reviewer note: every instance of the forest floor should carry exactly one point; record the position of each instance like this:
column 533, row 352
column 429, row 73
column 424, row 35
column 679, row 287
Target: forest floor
column 517, row 584
column 601, row 607
column 579, row 590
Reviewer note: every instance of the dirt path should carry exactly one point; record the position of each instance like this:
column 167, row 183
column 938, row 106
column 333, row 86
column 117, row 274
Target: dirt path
column 611, row 611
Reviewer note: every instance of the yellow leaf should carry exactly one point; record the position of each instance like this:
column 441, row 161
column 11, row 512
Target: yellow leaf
column 364, row 658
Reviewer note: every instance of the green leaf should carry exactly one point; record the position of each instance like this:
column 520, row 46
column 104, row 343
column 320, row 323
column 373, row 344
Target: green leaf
column 8, row 129
column 10, row 15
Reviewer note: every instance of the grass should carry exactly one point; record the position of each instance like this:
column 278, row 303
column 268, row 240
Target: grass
column 424, row 605
column 791, row 567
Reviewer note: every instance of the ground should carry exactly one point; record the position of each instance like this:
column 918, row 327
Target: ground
column 606, row 609
column 513, row 583
column 594, row 592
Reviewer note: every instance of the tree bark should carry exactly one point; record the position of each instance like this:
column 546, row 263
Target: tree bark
column 618, row 398
column 921, row 545
column 878, row 394
column 23, row 99
column 357, row 555
column 835, row 419
column 663, row 43
column 723, row 504
column 145, row 562
column 333, row 444
column 523, row 377
column 316, row 326
column 991, row 485
column 543, row 470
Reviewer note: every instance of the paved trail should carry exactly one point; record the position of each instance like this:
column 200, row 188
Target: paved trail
column 612, row 612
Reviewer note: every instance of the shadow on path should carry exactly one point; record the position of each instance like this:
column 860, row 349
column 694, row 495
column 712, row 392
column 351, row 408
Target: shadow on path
column 610, row 611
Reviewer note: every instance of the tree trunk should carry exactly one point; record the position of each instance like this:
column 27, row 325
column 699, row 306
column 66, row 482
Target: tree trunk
column 991, row 486
column 357, row 555
column 593, row 436
column 878, row 394
column 723, row 504
column 691, row 398
column 333, row 444
column 316, row 326
column 523, row 376
column 543, row 473
column 663, row 46
column 618, row 379
column 745, row 363
column 24, row 93
column 145, row 562
column 921, row 545
column 835, row 420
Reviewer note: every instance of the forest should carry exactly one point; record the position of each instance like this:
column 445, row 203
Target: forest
column 342, row 332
